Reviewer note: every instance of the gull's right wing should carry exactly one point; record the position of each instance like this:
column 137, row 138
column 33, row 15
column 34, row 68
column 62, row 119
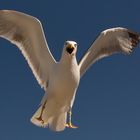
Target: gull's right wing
column 27, row 34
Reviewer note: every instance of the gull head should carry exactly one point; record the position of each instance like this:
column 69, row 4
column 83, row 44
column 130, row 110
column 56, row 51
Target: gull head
column 70, row 47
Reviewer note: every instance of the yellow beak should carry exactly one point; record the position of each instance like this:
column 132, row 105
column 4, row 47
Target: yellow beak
column 70, row 48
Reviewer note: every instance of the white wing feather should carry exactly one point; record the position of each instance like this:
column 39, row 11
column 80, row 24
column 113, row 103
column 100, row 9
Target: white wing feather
column 27, row 34
column 109, row 42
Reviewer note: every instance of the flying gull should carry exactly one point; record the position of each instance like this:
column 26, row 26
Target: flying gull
column 59, row 80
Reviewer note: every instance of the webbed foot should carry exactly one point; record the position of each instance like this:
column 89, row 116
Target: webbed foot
column 70, row 125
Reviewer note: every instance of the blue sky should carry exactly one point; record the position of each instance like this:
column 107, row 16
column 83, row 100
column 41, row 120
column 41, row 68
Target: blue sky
column 107, row 105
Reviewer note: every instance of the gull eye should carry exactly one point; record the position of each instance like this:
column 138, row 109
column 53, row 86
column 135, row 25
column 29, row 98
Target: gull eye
column 66, row 43
column 75, row 45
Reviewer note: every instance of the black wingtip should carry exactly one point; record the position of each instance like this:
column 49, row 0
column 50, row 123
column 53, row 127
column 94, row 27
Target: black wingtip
column 135, row 37
column 133, row 34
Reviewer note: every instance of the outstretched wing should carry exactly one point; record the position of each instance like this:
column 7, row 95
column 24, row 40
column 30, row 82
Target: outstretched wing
column 110, row 41
column 27, row 34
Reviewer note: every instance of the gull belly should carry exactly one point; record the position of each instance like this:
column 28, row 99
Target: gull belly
column 63, row 84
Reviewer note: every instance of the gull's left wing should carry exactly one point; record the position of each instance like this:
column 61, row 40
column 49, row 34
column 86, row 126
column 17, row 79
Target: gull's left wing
column 110, row 41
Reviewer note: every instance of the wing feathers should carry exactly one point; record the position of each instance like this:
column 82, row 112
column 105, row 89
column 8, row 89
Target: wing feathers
column 110, row 41
column 135, row 38
column 27, row 34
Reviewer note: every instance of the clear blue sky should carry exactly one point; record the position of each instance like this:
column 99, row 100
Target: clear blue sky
column 107, row 105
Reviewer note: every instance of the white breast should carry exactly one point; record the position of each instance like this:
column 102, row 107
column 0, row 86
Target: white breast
column 64, row 82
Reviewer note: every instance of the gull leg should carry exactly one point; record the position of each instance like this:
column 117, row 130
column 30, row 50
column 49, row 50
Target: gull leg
column 69, row 124
column 40, row 117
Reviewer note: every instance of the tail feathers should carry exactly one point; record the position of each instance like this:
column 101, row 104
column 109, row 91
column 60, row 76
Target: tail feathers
column 58, row 122
column 55, row 121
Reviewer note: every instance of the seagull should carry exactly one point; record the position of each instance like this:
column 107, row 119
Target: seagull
column 59, row 80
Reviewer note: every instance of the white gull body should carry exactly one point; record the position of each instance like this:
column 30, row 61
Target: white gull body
column 63, row 83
